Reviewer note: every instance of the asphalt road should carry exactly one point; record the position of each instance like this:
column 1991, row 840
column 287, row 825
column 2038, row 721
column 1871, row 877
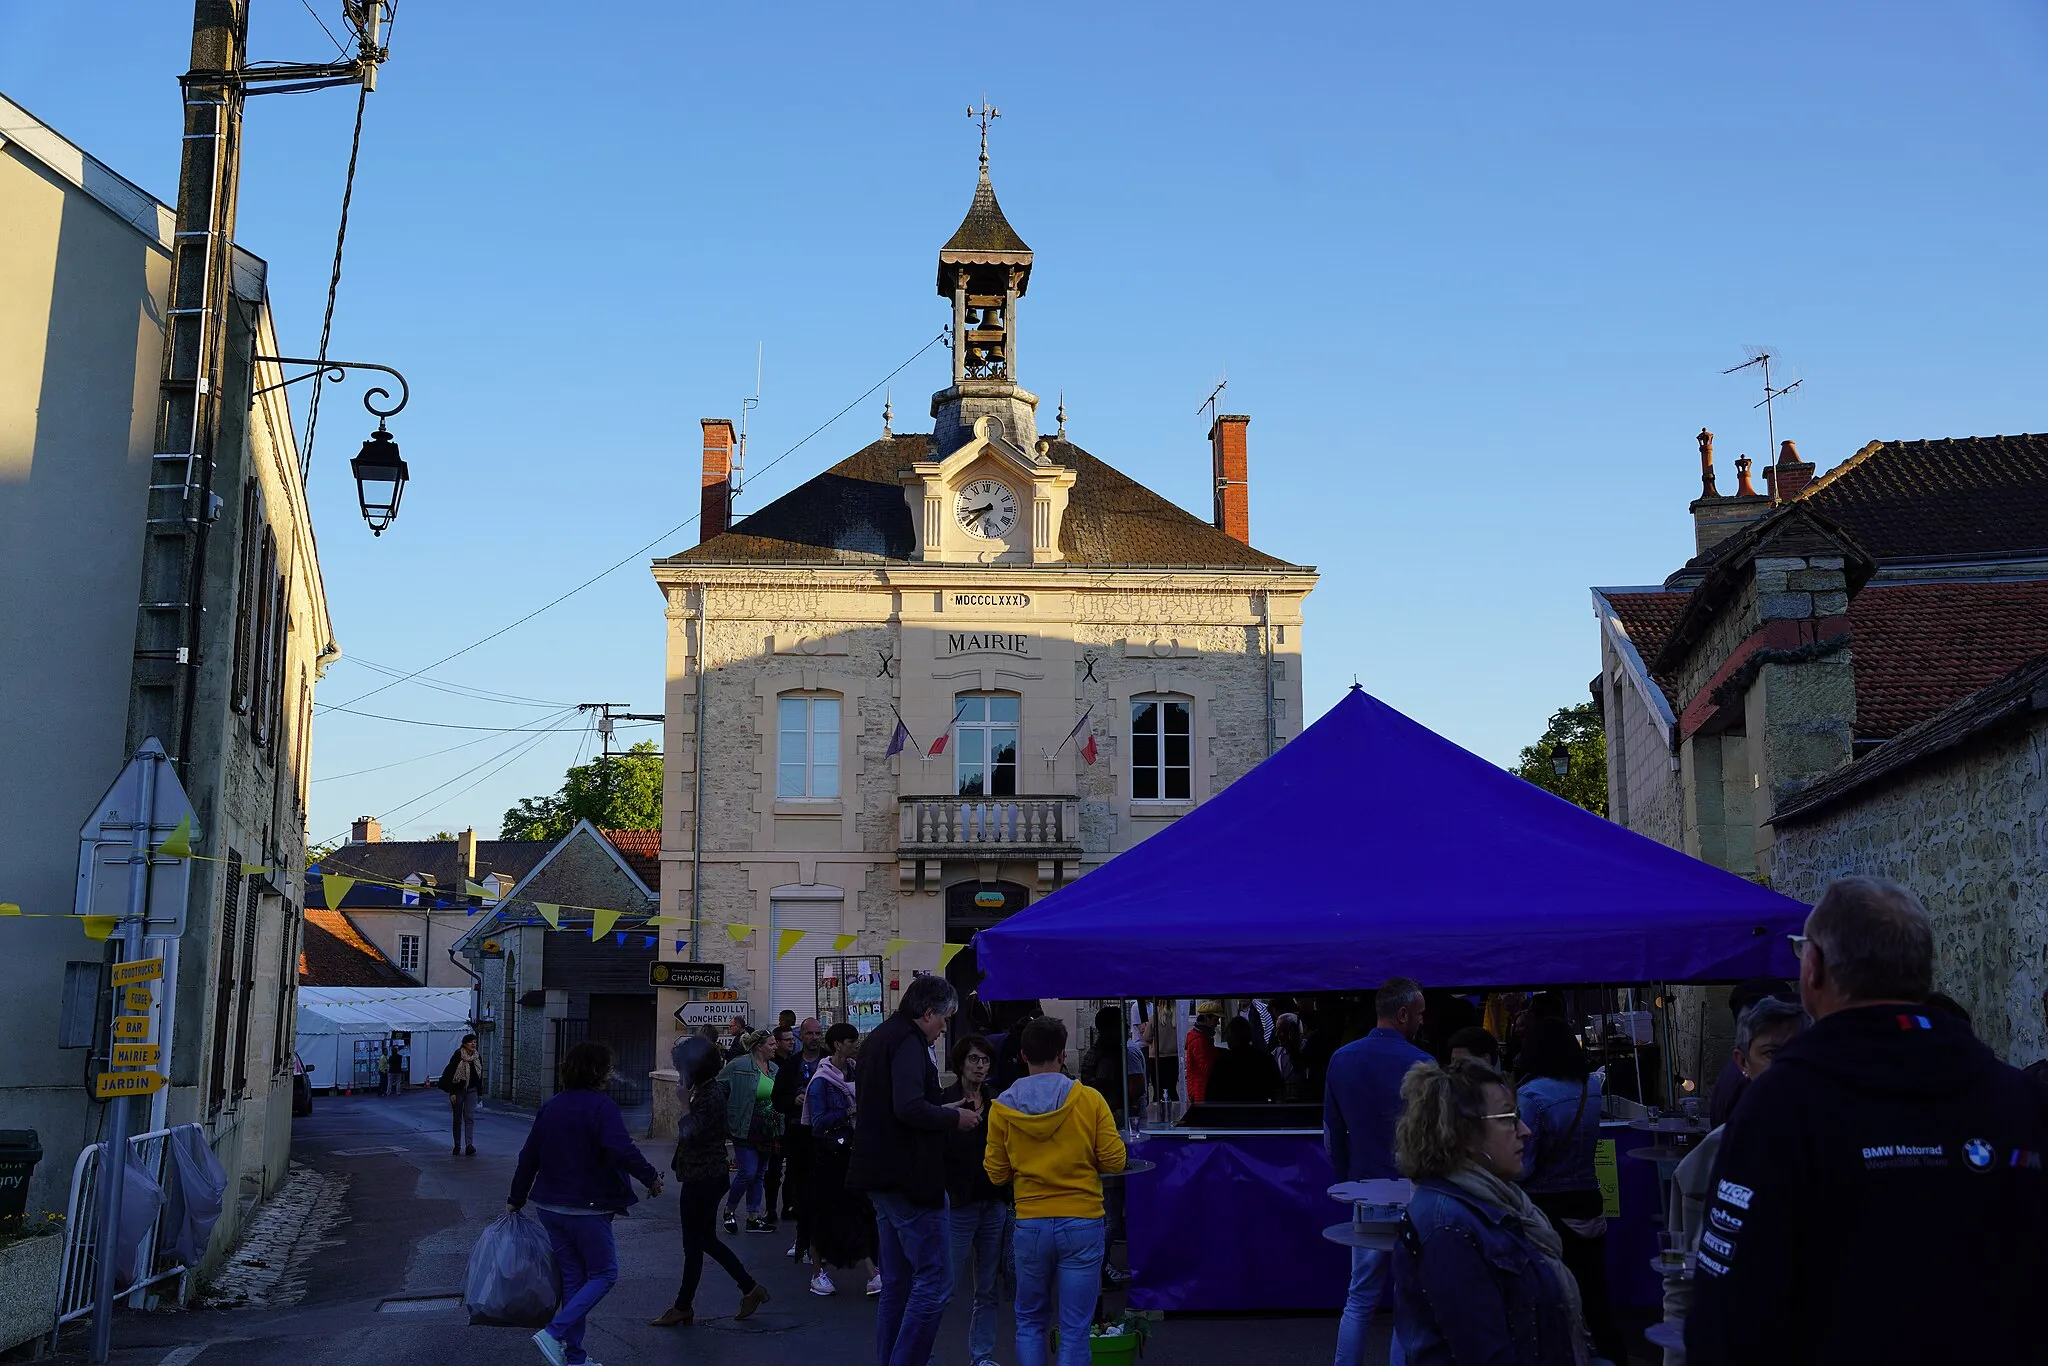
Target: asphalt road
column 384, row 1287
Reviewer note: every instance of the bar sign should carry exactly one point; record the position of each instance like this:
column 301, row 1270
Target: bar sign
column 135, row 998
column 141, row 970
column 131, row 1027
column 138, row 1054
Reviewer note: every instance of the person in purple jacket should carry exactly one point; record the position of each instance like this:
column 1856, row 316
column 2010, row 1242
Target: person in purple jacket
column 575, row 1168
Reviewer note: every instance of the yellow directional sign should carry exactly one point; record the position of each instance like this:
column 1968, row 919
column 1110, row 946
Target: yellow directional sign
column 135, row 998
column 138, row 1054
column 114, row 1084
column 131, row 1027
column 141, row 970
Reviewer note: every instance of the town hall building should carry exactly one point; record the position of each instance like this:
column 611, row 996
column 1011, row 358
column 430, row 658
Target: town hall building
column 949, row 675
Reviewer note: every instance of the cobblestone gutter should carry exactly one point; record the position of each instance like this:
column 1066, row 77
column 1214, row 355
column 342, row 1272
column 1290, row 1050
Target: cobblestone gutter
column 303, row 1217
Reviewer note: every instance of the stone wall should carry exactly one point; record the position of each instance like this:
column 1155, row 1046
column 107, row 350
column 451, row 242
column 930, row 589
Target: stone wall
column 1966, row 835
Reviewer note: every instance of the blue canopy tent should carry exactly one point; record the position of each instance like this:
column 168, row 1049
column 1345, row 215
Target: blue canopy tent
column 1370, row 846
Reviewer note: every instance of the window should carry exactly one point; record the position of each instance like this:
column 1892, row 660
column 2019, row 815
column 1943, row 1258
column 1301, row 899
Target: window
column 986, row 727
column 807, row 753
column 231, row 910
column 246, row 592
column 1162, row 752
column 409, row 954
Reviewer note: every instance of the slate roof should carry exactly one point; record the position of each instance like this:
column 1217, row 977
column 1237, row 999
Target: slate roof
column 984, row 230
column 1918, row 648
column 394, row 860
column 855, row 513
column 334, row 953
column 2019, row 694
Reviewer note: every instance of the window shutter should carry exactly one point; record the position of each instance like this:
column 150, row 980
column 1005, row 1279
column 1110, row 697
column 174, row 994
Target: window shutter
column 224, row 979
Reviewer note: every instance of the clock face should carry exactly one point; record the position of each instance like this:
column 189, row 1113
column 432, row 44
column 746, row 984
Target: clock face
column 986, row 508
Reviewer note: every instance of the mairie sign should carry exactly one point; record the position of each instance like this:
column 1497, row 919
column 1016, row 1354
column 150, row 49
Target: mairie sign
column 114, row 1084
column 141, row 970
column 138, row 1054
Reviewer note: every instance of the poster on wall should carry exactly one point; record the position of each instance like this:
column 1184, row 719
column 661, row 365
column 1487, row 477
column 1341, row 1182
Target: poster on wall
column 850, row 989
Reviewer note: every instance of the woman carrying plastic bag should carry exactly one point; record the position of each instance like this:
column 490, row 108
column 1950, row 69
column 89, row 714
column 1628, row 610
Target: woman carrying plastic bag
column 575, row 1166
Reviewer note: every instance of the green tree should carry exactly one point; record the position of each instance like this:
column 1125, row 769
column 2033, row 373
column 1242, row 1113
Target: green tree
column 1584, row 737
column 622, row 792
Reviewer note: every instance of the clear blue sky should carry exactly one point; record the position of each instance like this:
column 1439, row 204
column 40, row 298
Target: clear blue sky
column 1473, row 270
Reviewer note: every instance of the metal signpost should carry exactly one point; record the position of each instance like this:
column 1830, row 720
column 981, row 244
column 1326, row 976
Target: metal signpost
column 121, row 875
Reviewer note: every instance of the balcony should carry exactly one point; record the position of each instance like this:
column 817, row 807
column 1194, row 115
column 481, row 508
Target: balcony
column 990, row 827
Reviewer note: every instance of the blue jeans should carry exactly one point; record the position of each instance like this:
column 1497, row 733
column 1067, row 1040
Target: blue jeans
column 978, row 1233
column 752, row 1164
column 1371, row 1286
column 916, row 1280
column 588, row 1260
column 1060, row 1257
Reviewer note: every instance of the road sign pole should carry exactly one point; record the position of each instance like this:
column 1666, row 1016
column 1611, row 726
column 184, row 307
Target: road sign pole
column 114, row 1159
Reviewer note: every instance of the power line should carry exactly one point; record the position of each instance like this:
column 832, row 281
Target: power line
column 454, row 725
column 434, row 754
column 391, row 811
column 636, row 554
column 457, row 689
column 530, row 746
column 348, row 190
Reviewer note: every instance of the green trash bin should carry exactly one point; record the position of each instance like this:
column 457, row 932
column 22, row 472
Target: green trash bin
column 20, row 1151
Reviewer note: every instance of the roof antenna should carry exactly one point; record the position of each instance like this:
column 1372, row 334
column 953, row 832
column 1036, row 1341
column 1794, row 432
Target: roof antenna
column 1761, row 357
column 747, row 405
column 1210, row 402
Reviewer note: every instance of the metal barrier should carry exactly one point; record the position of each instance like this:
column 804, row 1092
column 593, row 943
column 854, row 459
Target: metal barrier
column 81, row 1226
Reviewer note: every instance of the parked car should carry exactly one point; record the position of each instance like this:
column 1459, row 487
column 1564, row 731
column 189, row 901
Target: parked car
column 302, row 1087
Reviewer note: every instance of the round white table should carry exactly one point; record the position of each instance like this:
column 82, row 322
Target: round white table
column 1378, row 1237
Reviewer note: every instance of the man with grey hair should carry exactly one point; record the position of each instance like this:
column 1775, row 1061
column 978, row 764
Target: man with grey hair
column 899, row 1159
column 1880, row 1196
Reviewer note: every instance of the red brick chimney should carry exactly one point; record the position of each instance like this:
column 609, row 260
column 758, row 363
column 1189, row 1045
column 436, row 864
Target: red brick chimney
column 365, row 830
column 1233, row 489
column 1791, row 474
column 717, row 507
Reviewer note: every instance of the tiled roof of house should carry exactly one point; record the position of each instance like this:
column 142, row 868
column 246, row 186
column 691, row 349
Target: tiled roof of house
column 392, row 861
column 855, row 513
column 1918, row 648
column 334, row 953
column 2020, row 693
column 984, row 229
column 1971, row 497
column 642, row 851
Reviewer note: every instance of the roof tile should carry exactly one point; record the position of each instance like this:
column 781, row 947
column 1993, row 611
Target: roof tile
column 334, row 953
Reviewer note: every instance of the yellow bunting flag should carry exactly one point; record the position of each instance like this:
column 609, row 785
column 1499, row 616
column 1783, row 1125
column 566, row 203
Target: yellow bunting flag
column 335, row 889
column 668, row 920
column 256, row 869
column 9, row 908
column 179, row 842
column 550, row 913
column 787, row 940
column 947, row 953
column 842, row 942
column 739, row 933
column 477, row 889
column 601, row 922
column 98, row 926
column 889, row 949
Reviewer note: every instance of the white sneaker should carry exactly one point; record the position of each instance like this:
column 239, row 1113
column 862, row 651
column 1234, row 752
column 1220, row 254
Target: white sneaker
column 875, row 1284
column 821, row 1284
column 552, row 1348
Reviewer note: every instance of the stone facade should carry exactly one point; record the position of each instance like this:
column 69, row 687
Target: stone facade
column 1965, row 833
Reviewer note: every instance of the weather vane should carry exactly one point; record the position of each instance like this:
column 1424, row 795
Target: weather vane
column 984, row 116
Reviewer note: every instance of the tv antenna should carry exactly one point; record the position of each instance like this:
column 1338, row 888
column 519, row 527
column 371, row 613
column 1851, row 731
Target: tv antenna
column 1761, row 358
column 1209, row 404
column 747, row 405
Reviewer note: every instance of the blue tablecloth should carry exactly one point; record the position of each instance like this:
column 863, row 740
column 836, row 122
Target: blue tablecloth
column 1235, row 1221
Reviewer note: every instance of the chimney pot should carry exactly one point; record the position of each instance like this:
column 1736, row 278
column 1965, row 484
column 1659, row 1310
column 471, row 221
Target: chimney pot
column 715, row 515
column 1231, row 468
column 365, row 830
column 465, row 852
column 1743, row 488
column 1793, row 474
column 1707, row 489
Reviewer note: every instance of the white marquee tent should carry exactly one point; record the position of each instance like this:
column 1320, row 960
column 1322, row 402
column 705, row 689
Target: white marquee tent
column 334, row 1020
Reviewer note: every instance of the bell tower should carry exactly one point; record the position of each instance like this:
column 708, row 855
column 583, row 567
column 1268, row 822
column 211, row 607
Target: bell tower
column 984, row 268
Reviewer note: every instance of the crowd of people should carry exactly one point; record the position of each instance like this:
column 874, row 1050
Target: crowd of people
column 1866, row 1150
column 1872, row 1190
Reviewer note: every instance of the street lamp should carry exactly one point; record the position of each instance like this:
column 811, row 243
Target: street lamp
column 380, row 479
column 1560, row 759
column 380, row 473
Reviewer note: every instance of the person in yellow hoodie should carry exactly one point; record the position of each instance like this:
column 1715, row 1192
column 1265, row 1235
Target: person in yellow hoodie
column 1053, row 1138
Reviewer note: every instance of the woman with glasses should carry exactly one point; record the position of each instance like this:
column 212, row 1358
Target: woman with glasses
column 1479, row 1273
column 980, row 1208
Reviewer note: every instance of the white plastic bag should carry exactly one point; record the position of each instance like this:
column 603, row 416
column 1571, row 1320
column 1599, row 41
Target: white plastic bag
column 512, row 1277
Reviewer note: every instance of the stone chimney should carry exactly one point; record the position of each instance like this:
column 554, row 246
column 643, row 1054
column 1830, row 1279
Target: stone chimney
column 716, row 516
column 365, row 830
column 1714, row 517
column 1790, row 475
column 1233, row 490
column 465, row 853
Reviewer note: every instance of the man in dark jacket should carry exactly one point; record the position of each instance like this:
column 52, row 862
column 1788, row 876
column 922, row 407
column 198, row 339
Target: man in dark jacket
column 899, row 1159
column 1361, row 1102
column 1880, row 1196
